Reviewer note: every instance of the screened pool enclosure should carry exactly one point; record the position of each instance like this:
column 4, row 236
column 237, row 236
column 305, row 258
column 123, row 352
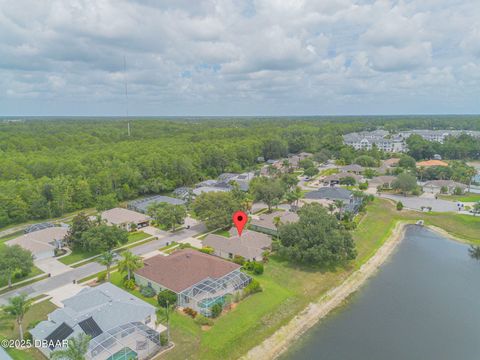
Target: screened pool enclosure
column 203, row 295
column 125, row 342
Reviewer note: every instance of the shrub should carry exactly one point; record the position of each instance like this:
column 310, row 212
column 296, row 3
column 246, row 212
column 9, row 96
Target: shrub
column 166, row 296
column 399, row 206
column 237, row 259
column 129, row 284
column 248, row 265
column 216, row 310
column 443, row 190
column 27, row 336
column 207, row 250
column 163, row 339
column 458, row 191
column 101, row 277
column 252, row 288
column 416, row 192
column 363, row 186
column 147, row 291
column 257, row 268
column 190, row 312
column 203, row 320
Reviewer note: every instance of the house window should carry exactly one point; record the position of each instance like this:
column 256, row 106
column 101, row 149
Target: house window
column 148, row 319
column 230, row 255
column 149, row 284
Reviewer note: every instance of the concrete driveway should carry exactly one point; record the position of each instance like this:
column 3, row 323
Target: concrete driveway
column 416, row 203
column 51, row 266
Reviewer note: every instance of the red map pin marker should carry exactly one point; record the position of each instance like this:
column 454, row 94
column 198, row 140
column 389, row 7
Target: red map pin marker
column 240, row 219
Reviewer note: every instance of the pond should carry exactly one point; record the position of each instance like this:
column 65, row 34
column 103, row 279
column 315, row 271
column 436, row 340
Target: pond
column 423, row 304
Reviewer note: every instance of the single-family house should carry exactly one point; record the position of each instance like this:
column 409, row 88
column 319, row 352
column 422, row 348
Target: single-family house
column 265, row 223
column 336, row 178
column 251, row 245
column 142, row 205
column 429, row 163
column 353, row 168
column 436, row 186
column 113, row 318
column 327, row 195
column 126, row 219
column 200, row 280
column 42, row 243
column 384, row 181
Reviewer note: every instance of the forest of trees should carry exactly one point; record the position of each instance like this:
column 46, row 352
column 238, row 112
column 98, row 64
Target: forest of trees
column 52, row 167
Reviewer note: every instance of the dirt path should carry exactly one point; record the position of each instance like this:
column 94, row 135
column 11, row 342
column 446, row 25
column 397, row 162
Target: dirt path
column 279, row 341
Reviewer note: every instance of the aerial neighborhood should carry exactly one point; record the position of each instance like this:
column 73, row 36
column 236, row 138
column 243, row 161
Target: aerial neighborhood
column 164, row 272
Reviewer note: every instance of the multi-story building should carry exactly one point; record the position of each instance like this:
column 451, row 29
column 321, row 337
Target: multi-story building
column 387, row 142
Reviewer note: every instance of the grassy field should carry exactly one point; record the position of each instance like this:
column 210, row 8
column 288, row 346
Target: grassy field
column 469, row 197
column 35, row 271
column 288, row 289
column 9, row 329
column 76, row 256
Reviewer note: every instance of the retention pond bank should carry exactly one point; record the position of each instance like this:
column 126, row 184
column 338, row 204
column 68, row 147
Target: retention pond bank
column 423, row 304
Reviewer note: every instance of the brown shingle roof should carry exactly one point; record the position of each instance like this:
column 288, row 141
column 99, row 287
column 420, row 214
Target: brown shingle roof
column 184, row 268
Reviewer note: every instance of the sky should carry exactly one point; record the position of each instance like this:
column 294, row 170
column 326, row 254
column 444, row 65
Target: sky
column 239, row 57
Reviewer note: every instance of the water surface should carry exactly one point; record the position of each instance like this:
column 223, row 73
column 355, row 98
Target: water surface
column 424, row 304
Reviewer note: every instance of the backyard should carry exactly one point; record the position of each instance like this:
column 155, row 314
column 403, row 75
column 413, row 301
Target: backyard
column 9, row 329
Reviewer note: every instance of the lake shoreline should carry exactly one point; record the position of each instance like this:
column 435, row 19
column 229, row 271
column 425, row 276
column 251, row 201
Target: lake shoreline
column 278, row 342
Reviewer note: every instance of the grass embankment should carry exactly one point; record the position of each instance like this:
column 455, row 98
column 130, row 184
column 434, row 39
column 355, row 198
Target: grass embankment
column 289, row 289
column 9, row 329
column 77, row 256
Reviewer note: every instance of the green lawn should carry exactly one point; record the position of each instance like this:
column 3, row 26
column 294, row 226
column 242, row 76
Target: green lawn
column 76, row 256
column 35, row 271
column 9, row 329
column 469, row 197
column 222, row 232
column 288, row 289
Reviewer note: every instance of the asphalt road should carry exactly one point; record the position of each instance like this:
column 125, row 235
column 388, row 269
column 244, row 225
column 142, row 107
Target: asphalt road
column 54, row 282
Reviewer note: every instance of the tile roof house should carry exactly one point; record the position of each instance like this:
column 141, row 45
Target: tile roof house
column 199, row 280
column 251, row 245
column 429, row 163
column 41, row 243
column 265, row 222
column 96, row 312
column 124, row 218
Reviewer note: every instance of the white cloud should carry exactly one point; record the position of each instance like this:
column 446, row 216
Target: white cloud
column 208, row 56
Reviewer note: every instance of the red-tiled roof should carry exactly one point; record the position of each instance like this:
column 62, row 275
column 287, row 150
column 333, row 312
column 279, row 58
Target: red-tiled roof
column 432, row 163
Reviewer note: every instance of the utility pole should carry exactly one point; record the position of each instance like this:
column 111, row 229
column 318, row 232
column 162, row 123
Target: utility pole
column 126, row 92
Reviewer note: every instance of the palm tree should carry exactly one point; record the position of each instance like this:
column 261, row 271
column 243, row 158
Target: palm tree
column 18, row 307
column 331, row 208
column 277, row 221
column 129, row 263
column 107, row 259
column 339, row 204
column 76, row 350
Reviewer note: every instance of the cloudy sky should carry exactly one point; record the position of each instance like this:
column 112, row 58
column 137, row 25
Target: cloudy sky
column 239, row 57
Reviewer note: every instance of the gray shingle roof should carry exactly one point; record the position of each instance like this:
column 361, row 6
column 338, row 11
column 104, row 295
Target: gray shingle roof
column 108, row 305
column 330, row 193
